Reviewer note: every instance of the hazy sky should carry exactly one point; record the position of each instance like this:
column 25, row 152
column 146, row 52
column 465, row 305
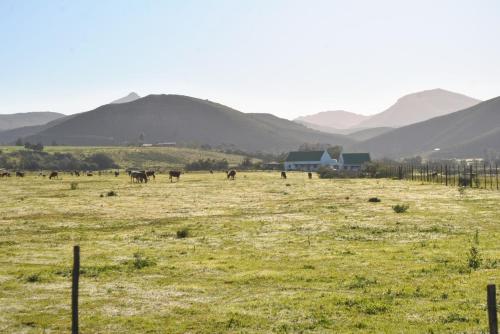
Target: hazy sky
column 284, row 57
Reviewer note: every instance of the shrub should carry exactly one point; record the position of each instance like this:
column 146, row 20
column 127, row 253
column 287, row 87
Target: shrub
column 474, row 258
column 33, row 278
column 400, row 208
column 111, row 193
column 374, row 200
column 73, row 185
column 140, row 262
column 182, row 233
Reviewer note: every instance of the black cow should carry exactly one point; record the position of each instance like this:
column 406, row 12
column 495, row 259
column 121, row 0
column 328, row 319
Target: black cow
column 20, row 174
column 117, row 173
column 231, row 174
column 174, row 173
column 150, row 173
column 138, row 176
column 283, row 175
column 53, row 175
column 310, row 175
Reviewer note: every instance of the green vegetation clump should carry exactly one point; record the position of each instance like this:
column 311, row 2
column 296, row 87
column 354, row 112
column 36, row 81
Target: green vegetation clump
column 400, row 208
column 207, row 164
column 182, row 233
column 140, row 262
column 111, row 193
column 34, row 278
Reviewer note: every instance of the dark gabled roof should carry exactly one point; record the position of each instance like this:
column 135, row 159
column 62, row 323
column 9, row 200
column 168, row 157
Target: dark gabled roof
column 355, row 158
column 305, row 156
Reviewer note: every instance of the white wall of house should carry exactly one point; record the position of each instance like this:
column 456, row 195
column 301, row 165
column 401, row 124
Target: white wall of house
column 325, row 160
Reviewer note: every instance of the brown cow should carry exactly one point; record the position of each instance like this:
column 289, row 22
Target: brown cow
column 310, row 175
column 4, row 174
column 117, row 173
column 150, row 173
column 231, row 174
column 53, row 175
column 20, row 174
column 283, row 175
column 174, row 173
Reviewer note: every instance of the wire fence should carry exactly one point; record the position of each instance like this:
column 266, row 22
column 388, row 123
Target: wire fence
column 470, row 175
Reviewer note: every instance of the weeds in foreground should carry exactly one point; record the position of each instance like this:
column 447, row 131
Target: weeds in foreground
column 182, row 233
column 400, row 208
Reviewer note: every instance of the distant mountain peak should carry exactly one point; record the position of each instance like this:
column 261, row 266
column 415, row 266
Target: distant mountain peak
column 420, row 106
column 132, row 96
column 335, row 119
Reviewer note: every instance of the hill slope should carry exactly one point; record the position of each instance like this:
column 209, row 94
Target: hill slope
column 182, row 119
column 335, row 119
column 465, row 133
column 12, row 121
column 418, row 107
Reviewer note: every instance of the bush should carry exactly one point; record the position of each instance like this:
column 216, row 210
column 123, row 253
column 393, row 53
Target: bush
column 182, row 233
column 33, row 278
column 400, row 208
column 374, row 200
column 330, row 173
column 474, row 258
column 140, row 262
column 207, row 164
column 101, row 161
column 73, row 185
column 111, row 193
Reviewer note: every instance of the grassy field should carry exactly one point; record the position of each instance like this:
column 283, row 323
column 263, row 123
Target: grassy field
column 261, row 255
column 143, row 157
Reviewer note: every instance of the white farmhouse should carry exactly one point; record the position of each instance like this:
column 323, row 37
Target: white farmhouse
column 309, row 160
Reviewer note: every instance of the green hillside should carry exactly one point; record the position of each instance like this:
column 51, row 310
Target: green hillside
column 182, row 119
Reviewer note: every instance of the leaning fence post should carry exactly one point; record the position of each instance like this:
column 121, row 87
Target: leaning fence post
column 74, row 290
column 492, row 308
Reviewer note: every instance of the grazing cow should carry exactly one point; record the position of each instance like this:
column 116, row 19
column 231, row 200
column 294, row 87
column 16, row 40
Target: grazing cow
column 174, row 173
column 53, row 175
column 117, row 173
column 211, row 171
column 89, row 174
column 310, row 175
column 231, row 174
column 4, row 174
column 77, row 173
column 139, row 176
column 283, row 175
column 151, row 173
column 20, row 174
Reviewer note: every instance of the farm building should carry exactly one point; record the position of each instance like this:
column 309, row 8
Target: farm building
column 309, row 160
column 353, row 161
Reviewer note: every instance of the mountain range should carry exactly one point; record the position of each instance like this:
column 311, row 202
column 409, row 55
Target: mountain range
column 463, row 134
column 12, row 121
column 182, row 119
column 409, row 109
column 187, row 120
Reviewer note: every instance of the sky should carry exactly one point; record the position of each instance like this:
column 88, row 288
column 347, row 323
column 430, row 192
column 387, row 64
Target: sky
column 284, row 57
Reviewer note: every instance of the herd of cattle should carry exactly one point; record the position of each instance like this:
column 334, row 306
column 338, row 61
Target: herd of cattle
column 138, row 176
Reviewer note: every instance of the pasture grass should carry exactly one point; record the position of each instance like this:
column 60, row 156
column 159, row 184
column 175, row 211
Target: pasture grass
column 259, row 255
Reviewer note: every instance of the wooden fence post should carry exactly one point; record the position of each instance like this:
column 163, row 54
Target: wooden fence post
column 484, row 171
column 446, row 174
column 492, row 308
column 470, row 175
column 496, row 173
column 74, row 290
